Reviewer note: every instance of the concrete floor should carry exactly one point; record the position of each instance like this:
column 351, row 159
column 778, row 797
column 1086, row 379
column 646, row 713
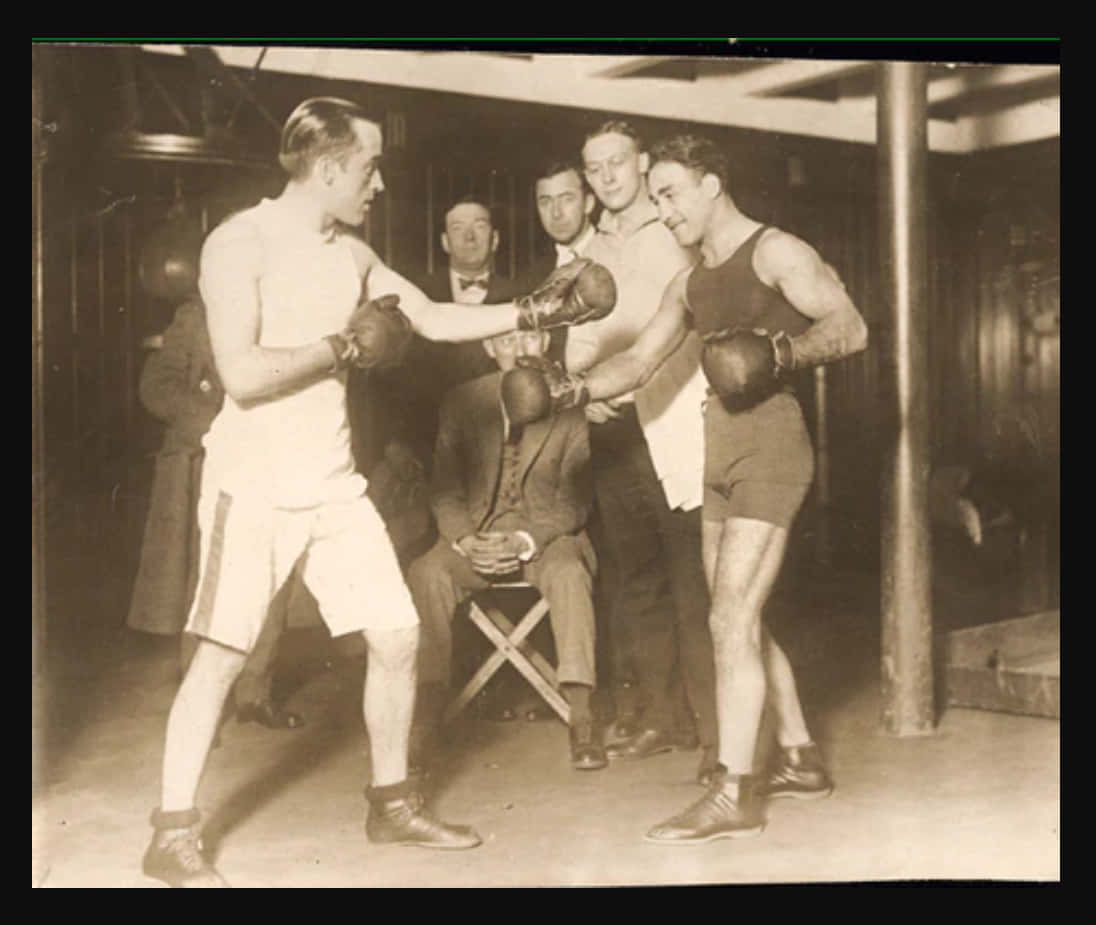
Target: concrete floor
column 977, row 800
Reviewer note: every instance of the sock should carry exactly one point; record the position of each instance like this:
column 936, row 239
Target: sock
column 388, row 792
column 578, row 698
column 178, row 819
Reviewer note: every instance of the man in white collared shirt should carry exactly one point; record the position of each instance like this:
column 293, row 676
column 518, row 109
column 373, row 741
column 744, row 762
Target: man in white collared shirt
column 647, row 453
column 565, row 206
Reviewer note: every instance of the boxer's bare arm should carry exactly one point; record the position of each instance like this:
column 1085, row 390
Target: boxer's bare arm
column 813, row 287
column 433, row 320
column 634, row 367
column 229, row 282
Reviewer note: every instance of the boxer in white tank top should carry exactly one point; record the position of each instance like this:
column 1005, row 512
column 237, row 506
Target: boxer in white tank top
column 279, row 280
column 293, row 448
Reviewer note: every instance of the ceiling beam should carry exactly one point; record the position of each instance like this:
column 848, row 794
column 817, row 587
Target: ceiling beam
column 1032, row 121
column 782, row 76
column 986, row 77
column 522, row 81
column 615, row 66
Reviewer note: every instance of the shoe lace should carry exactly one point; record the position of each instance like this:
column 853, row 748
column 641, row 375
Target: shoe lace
column 186, row 848
column 711, row 795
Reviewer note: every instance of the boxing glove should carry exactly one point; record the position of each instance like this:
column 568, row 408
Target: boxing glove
column 536, row 388
column 379, row 332
column 744, row 367
column 574, row 293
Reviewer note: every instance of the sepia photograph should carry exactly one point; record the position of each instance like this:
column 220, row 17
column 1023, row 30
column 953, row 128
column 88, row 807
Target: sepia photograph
column 507, row 463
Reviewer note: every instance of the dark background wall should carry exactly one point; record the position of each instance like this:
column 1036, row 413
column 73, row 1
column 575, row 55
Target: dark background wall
column 994, row 256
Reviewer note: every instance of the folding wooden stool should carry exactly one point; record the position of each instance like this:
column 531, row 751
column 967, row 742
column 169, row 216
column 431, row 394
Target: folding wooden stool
column 511, row 645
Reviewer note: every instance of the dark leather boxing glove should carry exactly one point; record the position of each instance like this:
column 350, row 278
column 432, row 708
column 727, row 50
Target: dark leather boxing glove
column 379, row 332
column 574, row 293
column 744, row 367
column 536, row 388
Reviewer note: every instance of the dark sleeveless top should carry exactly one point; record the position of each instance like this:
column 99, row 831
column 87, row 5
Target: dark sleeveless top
column 731, row 296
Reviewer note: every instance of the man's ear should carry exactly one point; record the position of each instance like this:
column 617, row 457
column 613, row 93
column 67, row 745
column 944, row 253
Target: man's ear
column 445, row 243
column 711, row 185
column 489, row 346
column 588, row 205
column 325, row 169
column 494, row 241
column 644, row 162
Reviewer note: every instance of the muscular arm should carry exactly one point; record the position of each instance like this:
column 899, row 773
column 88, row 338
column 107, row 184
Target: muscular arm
column 435, row 320
column 634, row 367
column 812, row 287
column 229, row 282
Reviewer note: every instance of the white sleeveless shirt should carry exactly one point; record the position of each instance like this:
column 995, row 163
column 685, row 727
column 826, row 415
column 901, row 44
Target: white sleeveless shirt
column 292, row 449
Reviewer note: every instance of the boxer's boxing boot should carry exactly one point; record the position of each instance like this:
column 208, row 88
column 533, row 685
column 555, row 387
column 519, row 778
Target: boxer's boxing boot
column 175, row 854
column 799, row 774
column 730, row 809
column 397, row 816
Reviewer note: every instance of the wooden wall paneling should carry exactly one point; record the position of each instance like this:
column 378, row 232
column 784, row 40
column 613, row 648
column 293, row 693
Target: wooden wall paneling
column 431, row 221
column 512, row 223
column 73, row 354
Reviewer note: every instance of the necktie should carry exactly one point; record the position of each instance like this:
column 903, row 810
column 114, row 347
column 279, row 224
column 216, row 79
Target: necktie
column 478, row 283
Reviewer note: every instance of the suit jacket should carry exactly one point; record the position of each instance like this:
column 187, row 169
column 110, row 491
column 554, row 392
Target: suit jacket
column 554, row 467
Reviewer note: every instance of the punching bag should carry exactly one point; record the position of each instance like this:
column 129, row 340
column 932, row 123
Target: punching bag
column 168, row 265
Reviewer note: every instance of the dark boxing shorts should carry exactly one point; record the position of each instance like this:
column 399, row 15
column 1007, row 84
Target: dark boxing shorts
column 759, row 464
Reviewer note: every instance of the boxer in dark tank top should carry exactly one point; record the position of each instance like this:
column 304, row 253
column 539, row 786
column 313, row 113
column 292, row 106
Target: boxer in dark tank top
column 765, row 303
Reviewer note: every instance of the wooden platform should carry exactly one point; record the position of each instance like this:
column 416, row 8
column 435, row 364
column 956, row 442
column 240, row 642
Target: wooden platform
column 1012, row 665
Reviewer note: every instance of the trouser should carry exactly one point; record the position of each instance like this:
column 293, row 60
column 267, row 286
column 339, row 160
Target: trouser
column 562, row 572
column 655, row 593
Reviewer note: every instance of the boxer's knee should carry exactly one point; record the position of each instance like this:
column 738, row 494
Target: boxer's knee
column 735, row 626
column 393, row 649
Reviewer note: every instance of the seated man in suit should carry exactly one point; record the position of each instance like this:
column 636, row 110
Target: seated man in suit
column 511, row 503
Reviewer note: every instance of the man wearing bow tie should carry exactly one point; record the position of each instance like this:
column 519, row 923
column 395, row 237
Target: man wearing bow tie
column 411, row 394
column 470, row 240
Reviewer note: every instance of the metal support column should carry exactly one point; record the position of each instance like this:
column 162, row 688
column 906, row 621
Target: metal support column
column 907, row 671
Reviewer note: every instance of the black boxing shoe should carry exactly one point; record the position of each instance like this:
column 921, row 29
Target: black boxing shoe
column 799, row 775
column 730, row 809
column 405, row 821
column 175, row 854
